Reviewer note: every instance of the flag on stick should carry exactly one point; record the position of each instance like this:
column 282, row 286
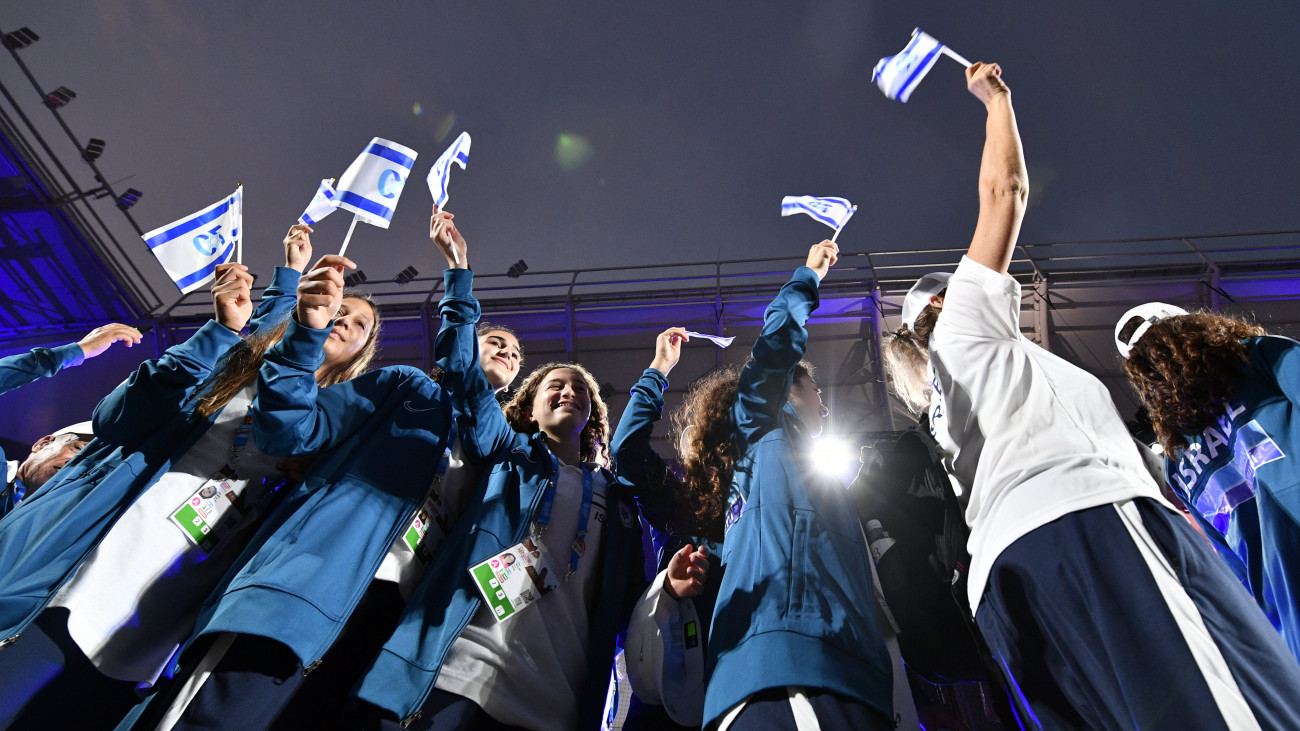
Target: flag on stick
column 834, row 212
column 440, row 173
column 322, row 204
column 190, row 249
column 898, row 75
column 373, row 182
column 721, row 341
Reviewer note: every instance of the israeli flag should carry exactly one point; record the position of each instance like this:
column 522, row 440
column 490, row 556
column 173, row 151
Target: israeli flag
column 834, row 212
column 373, row 182
column 322, row 204
column 898, row 75
column 441, row 171
column 190, row 249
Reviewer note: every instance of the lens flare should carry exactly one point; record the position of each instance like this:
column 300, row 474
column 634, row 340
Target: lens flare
column 834, row 457
column 417, row 110
column 572, row 151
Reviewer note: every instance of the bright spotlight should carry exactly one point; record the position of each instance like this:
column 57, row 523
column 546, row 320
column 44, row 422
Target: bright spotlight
column 834, row 457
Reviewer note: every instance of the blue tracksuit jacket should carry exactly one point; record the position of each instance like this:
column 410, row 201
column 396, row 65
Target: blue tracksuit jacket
column 140, row 429
column 517, row 468
column 795, row 605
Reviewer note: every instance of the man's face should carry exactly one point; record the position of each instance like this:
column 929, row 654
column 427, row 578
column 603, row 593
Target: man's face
column 48, row 456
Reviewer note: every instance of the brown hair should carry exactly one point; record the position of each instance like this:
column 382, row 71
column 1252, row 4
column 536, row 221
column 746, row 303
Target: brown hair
column 594, row 447
column 240, row 367
column 703, row 429
column 483, row 328
column 906, row 357
column 1184, row 368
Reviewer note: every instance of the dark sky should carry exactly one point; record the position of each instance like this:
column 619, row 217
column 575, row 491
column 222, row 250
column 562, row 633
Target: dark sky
column 686, row 122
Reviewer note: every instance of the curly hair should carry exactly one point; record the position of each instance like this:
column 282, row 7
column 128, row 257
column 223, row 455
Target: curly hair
column 1184, row 368
column 906, row 357
column 239, row 368
column 704, row 432
column 594, row 437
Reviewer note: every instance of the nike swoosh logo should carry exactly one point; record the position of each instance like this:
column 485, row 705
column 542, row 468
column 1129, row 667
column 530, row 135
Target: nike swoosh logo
column 411, row 408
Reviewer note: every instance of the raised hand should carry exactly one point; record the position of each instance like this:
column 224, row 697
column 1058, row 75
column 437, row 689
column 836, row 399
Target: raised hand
column 822, row 257
column 444, row 235
column 320, row 291
column 98, row 340
column 232, row 295
column 668, row 349
column 297, row 246
column 688, row 572
column 984, row 80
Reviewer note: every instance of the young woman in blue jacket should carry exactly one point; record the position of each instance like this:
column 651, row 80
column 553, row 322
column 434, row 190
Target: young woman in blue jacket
column 664, row 653
column 1223, row 394
column 288, row 636
column 515, row 624
column 103, row 570
column 794, row 630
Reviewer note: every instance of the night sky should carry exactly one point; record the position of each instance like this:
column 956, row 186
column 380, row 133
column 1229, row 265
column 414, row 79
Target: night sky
column 643, row 133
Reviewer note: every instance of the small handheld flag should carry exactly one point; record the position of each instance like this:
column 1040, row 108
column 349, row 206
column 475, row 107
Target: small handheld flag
column 322, row 204
column 190, row 249
column 439, row 174
column 898, row 75
column 721, row 341
column 834, row 212
column 373, row 182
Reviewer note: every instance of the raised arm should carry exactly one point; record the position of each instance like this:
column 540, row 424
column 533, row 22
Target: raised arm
column 153, row 394
column 653, row 485
column 480, row 423
column 292, row 415
column 1004, row 180
column 280, row 295
column 22, row 369
column 765, row 381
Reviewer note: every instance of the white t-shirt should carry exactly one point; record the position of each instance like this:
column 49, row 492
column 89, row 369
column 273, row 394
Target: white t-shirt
column 137, row 595
column 528, row 670
column 1026, row 435
column 406, row 565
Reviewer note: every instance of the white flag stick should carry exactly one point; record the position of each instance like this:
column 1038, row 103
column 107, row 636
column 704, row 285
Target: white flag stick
column 348, row 238
column 954, row 56
column 852, row 211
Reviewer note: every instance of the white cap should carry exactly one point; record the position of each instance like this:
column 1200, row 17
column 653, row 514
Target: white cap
column 82, row 429
column 1138, row 319
column 920, row 293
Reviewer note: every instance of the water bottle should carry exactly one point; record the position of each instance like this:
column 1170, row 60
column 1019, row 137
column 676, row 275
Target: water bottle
column 878, row 539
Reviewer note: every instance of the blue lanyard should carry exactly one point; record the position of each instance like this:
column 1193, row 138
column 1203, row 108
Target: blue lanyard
column 579, row 545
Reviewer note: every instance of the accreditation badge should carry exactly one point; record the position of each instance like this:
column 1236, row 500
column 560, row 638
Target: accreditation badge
column 427, row 529
column 514, row 579
column 222, row 506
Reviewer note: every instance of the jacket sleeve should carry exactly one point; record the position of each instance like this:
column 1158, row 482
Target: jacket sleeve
column 654, row 486
column 22, row 369
column 160, row 388
column 291, row 414
column 278, row 299
column 479, row 420
column 765, row 380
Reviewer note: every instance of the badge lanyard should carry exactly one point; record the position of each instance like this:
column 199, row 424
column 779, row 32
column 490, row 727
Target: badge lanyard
column 579, row 545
